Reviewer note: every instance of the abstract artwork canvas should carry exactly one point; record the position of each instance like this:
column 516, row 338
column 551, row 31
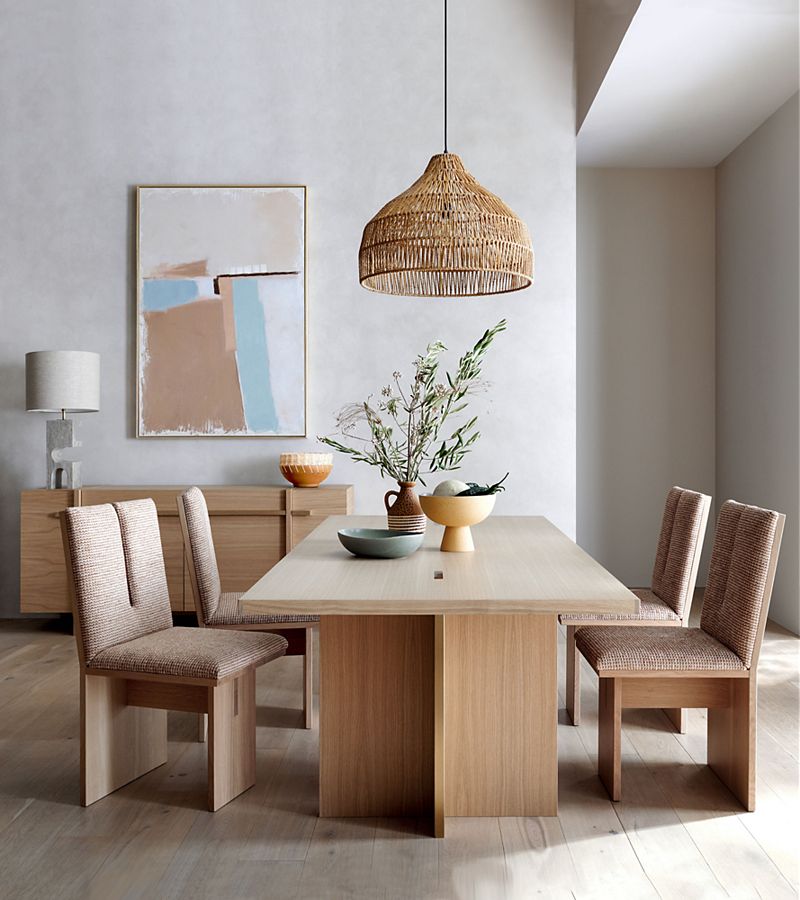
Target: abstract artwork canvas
column 221, row 311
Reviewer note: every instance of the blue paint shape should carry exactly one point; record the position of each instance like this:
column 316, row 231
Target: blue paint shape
column 163, row 293
column 253, row 358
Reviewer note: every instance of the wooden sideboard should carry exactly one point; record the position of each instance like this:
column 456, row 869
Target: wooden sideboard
column 253, row 528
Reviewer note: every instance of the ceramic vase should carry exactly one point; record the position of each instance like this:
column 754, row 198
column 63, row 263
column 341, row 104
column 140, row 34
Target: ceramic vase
column 404, row 512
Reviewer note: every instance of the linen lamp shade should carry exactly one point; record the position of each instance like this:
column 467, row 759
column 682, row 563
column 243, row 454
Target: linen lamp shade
column 57, row 380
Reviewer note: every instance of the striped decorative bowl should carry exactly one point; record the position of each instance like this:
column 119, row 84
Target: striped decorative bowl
column 306, row 469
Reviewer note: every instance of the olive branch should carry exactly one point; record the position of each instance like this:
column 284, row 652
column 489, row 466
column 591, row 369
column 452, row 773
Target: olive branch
column 404, row 427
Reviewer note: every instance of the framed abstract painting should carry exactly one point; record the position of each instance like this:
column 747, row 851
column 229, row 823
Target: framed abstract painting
column 221, row 311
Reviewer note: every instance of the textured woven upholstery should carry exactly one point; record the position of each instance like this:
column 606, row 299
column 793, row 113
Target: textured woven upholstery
column 201, row 548
column 650, row 608
column 192, row 653
column 668, row 599
column 737, row 576
column 731, row 607
column 217, row 608
column 228, row 614
column 123, row 603
column 677, row 544
column 653, row 649
column 118, row 573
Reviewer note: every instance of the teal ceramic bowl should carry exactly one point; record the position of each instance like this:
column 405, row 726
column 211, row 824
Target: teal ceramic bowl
column 380, row 542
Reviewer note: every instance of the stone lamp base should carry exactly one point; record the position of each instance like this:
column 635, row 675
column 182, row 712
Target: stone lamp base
column 62, row 472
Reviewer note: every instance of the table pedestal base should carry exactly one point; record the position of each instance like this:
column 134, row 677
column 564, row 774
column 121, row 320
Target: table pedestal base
column 440, row 715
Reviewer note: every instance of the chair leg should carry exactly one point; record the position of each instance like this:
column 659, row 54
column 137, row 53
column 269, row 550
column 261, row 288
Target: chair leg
column 202, row 728
column 609, row 736
column 679, row 719
column 308, row 679
column 118, row 742
column 231, row 738
column 573, row 687
column 732, row 741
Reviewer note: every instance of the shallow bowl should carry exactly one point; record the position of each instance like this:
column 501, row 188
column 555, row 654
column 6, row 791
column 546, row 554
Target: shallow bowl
column 379, row 543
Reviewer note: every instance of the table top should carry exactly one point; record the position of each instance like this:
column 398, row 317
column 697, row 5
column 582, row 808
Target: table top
column 521, row 564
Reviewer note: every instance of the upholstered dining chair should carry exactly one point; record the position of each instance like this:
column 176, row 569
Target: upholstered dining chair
column 134, row 665
column 713, row 666
column 219, row 610
column 667, row 602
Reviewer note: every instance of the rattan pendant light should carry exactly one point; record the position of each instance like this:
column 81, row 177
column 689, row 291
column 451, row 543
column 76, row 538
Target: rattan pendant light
column 446, row 236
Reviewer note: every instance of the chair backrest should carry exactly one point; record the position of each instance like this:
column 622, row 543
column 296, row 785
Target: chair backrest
column 116, row 570
column 740, row 577
column 201, row 557
column 680, row 543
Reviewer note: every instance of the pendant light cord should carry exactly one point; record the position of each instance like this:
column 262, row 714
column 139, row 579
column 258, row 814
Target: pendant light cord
column 445, row 76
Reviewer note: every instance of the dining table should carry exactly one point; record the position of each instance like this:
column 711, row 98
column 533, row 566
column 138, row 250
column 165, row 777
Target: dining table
column 438, row 671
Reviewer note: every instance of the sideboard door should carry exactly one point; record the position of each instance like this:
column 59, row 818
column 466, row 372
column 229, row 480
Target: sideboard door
column 43, row 572
column 306, row 508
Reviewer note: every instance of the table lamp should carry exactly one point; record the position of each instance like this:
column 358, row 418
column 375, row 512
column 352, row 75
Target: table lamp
column 63, row 381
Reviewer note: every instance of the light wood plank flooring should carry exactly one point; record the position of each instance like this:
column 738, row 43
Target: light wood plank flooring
column 677, row 832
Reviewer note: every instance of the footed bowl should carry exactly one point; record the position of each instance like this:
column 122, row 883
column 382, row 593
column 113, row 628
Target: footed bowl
column 457, row 514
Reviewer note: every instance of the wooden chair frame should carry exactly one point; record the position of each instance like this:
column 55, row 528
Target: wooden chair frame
column 676, row 715
column 729, row 696
column 123, row 721
column 300, row 635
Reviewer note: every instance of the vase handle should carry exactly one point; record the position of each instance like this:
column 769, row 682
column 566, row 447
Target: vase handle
column 386, row 499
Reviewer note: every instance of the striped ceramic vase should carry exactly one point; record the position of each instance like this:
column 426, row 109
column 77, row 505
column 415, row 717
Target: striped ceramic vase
column 404, row 512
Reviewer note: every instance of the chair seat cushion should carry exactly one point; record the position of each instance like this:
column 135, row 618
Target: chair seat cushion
column 227, row 613
column 651, row 608
column 653, row 649
column 191, row 653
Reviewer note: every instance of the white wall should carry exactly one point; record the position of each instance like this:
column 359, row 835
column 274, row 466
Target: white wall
column 600, row 26
column 645, row 355
column 758, row 331
column 344, row 97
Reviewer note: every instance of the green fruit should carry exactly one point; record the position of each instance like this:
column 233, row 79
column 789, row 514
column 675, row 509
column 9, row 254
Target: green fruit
column 450, row 488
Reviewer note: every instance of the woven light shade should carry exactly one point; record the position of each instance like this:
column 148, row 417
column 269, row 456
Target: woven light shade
column 446, row 236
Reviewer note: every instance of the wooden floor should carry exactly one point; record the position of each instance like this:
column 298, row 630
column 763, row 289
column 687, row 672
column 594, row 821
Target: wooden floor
column 677, row 833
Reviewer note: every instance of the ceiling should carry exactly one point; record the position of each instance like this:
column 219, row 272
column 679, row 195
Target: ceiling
column 690, row 81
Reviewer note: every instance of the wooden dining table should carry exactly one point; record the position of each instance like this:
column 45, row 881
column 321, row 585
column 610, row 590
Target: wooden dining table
column 438, row 672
